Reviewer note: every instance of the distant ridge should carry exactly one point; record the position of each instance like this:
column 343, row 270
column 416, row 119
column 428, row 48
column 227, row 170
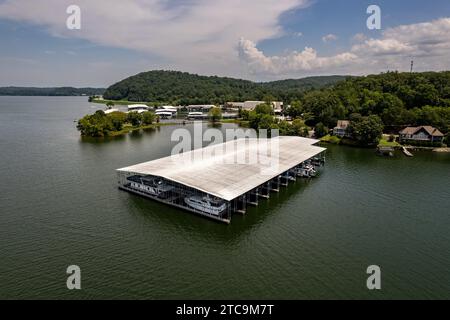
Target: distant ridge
column 54, row 91
column 183, row 88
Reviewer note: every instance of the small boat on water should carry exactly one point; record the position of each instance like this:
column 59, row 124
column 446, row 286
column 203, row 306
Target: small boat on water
column 206, row 204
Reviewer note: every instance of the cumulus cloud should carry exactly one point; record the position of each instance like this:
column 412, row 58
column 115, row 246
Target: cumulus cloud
column 193, row 35
column 306, row 60
column 329, row 37
column 203, row 36
column 422, row 41
column 359, row 37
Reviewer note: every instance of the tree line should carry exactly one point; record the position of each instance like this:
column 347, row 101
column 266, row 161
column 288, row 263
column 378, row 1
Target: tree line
column 389, row 101
column 62, row 91
column 180, row 88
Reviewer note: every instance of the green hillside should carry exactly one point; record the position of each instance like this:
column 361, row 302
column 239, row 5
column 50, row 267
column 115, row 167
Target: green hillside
column 183, row 88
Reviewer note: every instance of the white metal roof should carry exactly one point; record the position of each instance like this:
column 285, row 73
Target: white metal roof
column 137, row 106
column 231, row 169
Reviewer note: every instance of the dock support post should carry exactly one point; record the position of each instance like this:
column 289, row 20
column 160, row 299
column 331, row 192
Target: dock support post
column 264, row 191
column 241, row 205
column 253, row 197
column 275, row 184
column 284, row 180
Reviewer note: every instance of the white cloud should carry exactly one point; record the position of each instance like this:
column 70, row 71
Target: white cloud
column 329, row 37
column 383, row 47
column 423, row 42
column 203, row 36
column 193, row 35
column 359, row 37
column 307, row 60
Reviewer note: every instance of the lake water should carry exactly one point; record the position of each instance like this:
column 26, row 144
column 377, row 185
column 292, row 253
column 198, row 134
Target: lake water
column 59, row 206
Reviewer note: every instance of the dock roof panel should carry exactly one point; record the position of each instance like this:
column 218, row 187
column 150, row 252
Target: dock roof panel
column 231, row 169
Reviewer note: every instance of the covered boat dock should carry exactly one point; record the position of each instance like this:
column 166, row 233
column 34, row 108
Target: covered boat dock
column 222, row 179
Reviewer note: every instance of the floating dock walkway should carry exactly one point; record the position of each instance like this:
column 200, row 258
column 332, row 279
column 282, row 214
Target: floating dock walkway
column 222, row 179
column 406, row 152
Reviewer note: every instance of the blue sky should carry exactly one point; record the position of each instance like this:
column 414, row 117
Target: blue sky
column 346, row 18
column 258, row 40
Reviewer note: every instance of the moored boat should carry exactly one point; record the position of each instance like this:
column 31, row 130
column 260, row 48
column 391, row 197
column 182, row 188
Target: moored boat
column 206, row 204
column 153, row 186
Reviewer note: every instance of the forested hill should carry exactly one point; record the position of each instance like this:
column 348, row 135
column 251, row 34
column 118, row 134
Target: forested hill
column 183, row 88
column 398, row 99
column 62, row 91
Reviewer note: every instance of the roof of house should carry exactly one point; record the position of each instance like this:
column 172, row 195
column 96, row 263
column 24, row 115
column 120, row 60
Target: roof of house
column 428, row 129
column 342, row 124
column 214, row 169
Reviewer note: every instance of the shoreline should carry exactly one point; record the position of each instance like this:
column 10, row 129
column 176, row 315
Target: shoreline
column 394, row 145
column 126, row 130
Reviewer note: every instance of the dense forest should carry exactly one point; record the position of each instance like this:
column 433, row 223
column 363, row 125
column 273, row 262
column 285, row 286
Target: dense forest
column 62, row 91
column 180, row 88
column 398, row 99
column 374, row 104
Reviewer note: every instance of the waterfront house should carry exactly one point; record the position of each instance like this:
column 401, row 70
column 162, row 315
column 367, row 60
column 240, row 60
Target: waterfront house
column 421, row 134
column 341, row 130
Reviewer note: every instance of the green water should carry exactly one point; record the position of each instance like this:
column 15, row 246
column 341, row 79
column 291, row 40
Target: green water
column 59, row 206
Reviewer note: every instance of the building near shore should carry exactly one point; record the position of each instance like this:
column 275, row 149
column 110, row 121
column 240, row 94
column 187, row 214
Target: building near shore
column 251, row 105
column 139, row 108
column 421, row 134
column 222, row 179
column 199, row 107
column 341, row 129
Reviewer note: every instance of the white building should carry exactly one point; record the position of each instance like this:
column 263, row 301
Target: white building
column 139, row 108
column 251, row 105
column 200, row 107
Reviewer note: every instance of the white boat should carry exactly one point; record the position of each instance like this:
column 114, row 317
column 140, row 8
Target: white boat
column 206, row 204
column 152, row 186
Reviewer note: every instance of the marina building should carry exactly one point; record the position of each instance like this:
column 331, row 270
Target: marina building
column 139, row 108
column 251, row 105
column 222, row 179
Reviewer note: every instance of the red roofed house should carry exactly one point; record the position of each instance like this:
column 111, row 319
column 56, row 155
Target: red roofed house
column 421, row 134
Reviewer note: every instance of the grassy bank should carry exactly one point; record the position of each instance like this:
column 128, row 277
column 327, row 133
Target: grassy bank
column 386, row 143
column 331, row 139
